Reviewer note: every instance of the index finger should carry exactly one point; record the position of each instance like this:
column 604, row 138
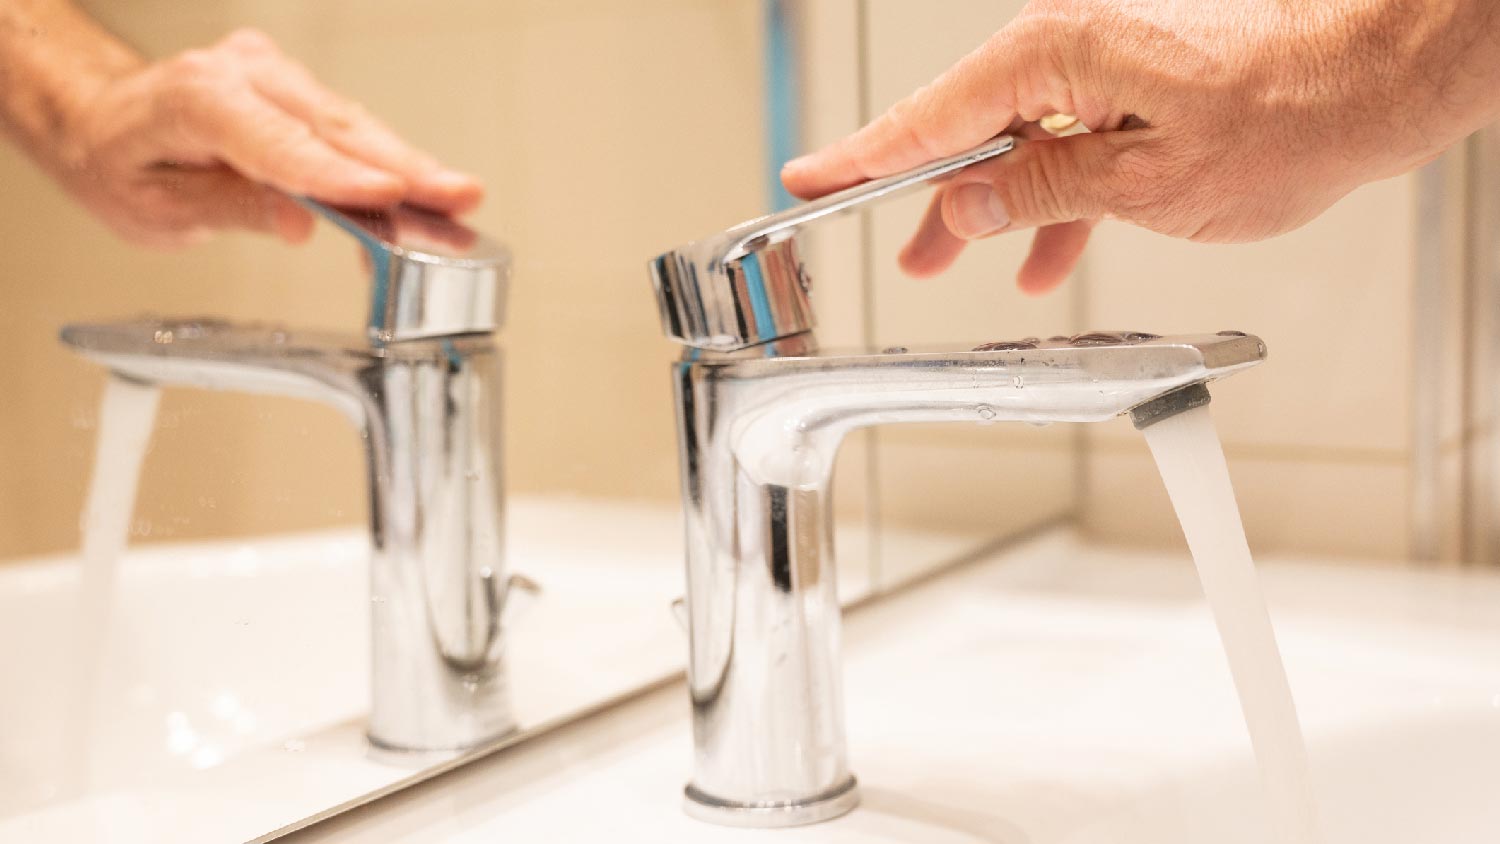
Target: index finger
column 267, row 145
column 1011, row 76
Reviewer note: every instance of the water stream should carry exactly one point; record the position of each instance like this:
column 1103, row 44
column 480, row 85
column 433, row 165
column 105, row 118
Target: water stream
column 127, row 414
column 1192, row 466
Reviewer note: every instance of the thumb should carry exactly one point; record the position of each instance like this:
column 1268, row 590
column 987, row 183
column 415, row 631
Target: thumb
column 1079, row 177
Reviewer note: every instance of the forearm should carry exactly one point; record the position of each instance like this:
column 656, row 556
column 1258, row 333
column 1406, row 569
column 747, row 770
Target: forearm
column 53, row 60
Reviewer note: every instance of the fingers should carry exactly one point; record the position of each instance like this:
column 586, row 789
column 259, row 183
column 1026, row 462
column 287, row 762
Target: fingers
column 1017, row 73
column 170, row 208
column 1060, row 187
column 1078, row 177
column 351, row 130
column 932, row 248
column 267, row 145
column 1055, row 251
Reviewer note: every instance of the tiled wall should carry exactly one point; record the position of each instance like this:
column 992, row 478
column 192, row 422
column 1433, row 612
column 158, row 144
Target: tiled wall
column 1318, row 438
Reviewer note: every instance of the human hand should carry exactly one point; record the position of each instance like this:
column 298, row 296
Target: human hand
column 218, row 138
column 1209, row 121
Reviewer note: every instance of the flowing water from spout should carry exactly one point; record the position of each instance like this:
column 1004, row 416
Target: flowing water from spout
column 127, row 415
column 1192, row 467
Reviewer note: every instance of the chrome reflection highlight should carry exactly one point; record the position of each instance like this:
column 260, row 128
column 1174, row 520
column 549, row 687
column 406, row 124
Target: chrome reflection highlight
column 758, row 431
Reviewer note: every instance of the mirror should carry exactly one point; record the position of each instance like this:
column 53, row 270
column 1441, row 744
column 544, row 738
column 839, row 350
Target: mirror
column 226, row 651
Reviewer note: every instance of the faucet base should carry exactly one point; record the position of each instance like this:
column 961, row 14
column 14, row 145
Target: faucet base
column 831, row 804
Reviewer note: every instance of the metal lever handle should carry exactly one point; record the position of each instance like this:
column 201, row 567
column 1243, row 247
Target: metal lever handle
column 746, row 285
column 786, row 223
column 432, row 275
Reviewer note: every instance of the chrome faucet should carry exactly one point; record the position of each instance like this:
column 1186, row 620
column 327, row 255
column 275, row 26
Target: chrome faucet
column 423, row 389
column 761, row 412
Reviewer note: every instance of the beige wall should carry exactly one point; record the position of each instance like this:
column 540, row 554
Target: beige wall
column 583, row 118
column 1318, row 438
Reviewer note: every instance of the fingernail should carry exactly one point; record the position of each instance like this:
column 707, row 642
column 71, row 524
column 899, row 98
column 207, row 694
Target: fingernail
column 977, row 211
column 798, row 163
column 376, row 181
column 454, row 180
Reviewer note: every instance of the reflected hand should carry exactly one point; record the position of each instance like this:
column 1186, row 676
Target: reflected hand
column 217, row 138
column 1209, row 121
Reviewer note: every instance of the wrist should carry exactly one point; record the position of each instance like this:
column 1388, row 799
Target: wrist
column 54, row 64
column 1405, row 80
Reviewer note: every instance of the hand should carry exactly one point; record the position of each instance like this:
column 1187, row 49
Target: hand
column 218, row 138
column 1210, row 121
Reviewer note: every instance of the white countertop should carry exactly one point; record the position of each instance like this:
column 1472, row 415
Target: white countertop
column 226, row 697
column 1059, row 693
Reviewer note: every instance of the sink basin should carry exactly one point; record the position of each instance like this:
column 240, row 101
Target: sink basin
column 1061, row 693
column 223, row 697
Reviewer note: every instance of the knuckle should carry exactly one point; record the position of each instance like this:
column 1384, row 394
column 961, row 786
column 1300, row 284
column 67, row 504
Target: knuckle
column 249, row 41
column 1030, row 189
column 342, row 115
column 196, row 63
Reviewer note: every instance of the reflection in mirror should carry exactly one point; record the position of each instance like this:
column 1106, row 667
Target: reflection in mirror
column 209, row 633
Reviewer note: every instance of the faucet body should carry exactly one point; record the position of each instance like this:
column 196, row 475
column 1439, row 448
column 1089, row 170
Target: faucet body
column 761, row 412
column 422, row 386
column 428, row 414
column 758, row 431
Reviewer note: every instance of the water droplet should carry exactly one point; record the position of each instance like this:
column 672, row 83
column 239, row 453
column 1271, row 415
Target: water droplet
column 470, row 683
column 377, row 599
column 986, row 413
column 1096, row 338
column 163, row 336
column 894, row 350
column 1008, row 345
column 1019, row 382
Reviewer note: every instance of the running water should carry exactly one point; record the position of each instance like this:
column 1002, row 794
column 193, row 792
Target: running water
column 1192, row 466
column 127, row 415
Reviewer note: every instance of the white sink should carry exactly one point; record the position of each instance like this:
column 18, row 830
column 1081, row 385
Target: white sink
column 1061, row 694
column 225, row 697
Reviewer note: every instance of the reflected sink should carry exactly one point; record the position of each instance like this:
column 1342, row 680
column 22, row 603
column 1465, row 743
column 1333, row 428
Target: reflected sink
column 227, row 694
column 224, row 699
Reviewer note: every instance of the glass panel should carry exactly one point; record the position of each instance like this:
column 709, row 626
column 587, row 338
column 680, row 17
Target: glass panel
column 228, row 651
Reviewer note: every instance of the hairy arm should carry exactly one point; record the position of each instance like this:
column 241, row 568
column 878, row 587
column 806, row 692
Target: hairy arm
column 167, row 151
column 1211, row 121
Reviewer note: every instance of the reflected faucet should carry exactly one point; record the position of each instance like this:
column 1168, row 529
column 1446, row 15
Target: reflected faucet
column 761, row 412
column 423, row 389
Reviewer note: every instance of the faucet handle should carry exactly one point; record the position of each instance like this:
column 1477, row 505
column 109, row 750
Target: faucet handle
column 432, row 275
column 746, row 285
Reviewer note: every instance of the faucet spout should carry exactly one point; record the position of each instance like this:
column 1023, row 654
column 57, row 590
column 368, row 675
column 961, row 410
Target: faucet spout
column 428, row 413
column 758, row 430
